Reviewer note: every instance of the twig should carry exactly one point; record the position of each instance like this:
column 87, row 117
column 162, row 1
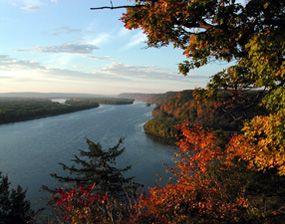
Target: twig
column 118, row 7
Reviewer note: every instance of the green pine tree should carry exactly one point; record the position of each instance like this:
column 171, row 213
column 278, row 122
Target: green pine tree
column 99, row 166
column 14, row 208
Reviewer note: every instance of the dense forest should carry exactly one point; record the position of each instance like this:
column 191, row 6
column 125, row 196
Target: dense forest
column 21, row 109
column 210, row 113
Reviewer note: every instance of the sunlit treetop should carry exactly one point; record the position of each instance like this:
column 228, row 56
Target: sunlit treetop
column 250, row 32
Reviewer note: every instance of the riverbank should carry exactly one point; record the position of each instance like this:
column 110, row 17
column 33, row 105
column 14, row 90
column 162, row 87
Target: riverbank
column 23, row 109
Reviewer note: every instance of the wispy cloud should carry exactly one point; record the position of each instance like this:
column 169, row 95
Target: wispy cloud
column 131, row 38
column 63, row 30
column 11, row 64
column 114, row 70
column 145, row 73
column 31, row 5
column 77, row 66
column 7, row 63
column 131, row 71
column 70, row 48
column 137, row 39
column 115, row 78
column 99, row 39
column 29, row 75
column 30, row 8
column 123, row 32
column 97, row 58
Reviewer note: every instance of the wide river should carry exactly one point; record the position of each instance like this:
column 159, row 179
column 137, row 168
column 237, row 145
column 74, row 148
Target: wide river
column 31, row 150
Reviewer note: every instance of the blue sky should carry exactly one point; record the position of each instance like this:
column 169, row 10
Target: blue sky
column 63, row 46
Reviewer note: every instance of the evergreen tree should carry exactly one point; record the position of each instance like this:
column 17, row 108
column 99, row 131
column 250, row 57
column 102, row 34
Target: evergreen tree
column 13, row 206
column 98, row 166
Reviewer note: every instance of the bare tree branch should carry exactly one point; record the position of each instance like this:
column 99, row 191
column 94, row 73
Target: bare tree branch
column 118, row 7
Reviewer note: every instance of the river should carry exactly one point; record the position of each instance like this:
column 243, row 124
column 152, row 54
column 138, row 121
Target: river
column 31, row 150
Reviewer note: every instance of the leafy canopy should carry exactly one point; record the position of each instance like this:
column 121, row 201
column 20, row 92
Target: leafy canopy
column 251, row 33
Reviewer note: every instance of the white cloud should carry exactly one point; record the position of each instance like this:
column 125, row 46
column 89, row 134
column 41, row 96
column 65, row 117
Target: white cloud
column 137, row 72
column 31, row 5
column 99, row 39
column 137, row 39
column 29, row 75
column 146, row 73
column 97, row 58
column 123, row 32
column 77, row 66
column 114, row 70
column 63, row 30
column 30, row 8
column 10, row 64
column 70, row 48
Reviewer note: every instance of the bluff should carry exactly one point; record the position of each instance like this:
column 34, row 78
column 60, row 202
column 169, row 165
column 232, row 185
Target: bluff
column 210, row 113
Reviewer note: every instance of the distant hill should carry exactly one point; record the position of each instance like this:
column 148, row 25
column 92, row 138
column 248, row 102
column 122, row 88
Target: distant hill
column 155, row 98
column 50, row 95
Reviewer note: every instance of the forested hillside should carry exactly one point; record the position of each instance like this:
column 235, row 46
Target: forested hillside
column 210, row 113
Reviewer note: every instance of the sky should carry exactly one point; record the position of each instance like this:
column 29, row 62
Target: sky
column 63, row 46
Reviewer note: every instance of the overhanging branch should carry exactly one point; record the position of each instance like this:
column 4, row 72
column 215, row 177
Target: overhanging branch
column 118, row 7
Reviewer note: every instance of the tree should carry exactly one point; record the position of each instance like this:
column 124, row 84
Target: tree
column 252, row 34
column 14, row 208
column 208, row 191
column 211, row 29
column 262, row 144
column 98, row 166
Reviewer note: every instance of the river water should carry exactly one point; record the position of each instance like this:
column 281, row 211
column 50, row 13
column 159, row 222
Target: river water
column 31, row 150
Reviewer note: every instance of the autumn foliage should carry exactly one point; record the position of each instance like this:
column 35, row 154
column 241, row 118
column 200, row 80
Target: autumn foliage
column 80, row 205
column 198, row 195
column 242, row 181
column 207, row 188
column 263, row 144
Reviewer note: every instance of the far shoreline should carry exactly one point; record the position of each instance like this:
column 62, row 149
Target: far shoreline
column 14, row 110
column 47, row 115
